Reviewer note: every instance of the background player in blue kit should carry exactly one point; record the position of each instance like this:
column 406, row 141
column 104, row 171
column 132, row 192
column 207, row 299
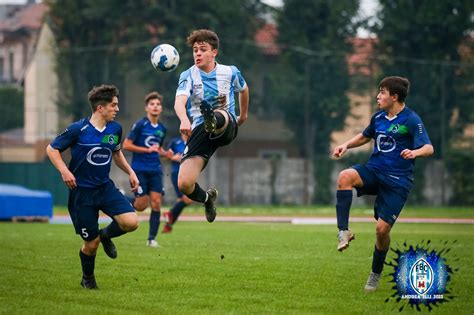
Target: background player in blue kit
column 145, row 140
column 177, row 145
column 94, row 142
column 400, row 137
column 206, row 94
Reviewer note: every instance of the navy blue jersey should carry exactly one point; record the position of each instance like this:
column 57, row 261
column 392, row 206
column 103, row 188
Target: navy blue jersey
column 178, row 145
column 145, row 134
column 91, row 150
column 392, row 136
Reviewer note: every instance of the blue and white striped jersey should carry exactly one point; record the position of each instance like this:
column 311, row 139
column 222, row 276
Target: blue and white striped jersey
column 198, row 85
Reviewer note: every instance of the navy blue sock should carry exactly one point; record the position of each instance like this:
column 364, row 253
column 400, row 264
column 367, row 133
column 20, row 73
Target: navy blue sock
column 87, row 263
column 177, row 209
column 198, row 194
column 378, row 260
column 112, row 230
column 154, row 224
column 343, row 205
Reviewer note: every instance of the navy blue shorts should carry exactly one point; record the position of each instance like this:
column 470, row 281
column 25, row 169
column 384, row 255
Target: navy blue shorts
column 84, row 205
column 174, row 180
column 150, row 181
column 391, row 191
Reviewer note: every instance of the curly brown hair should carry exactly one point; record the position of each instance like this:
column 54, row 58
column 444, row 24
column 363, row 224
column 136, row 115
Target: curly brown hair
column 203, row 36
column 102, row 94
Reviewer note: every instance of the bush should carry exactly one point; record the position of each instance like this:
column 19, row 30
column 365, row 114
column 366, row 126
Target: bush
column 11, row 108
column 460, row 165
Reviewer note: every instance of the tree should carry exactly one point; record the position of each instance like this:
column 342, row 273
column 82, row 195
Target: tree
column 313, row 81
column 422, row 40
column 101, row 41
column 11, row 110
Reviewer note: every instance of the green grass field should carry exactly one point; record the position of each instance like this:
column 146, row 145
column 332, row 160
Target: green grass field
column 217, row 268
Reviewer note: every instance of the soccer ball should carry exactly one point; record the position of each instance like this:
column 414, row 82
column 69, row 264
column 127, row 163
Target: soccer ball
column 164, row 57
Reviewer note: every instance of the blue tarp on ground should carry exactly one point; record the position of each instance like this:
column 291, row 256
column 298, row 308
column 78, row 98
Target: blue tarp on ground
column 18, row 201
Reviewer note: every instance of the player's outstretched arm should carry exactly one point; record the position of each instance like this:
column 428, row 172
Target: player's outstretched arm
column 55, row 157
column 130, row 146
column 424, row 151
column 355, row 142
column 180, row 109
column 121, row 162
column 243, row 105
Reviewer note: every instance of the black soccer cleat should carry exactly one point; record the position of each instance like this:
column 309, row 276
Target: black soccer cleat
column 210, row 120
column 89, row 283
column 210, row 206
column 109, row 246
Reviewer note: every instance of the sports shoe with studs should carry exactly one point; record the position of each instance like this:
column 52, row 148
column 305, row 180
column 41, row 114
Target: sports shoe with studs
column 373, row 282
column 344, row 236
column 89, row 283
column 108, row 245
column 210, row 204
column 152, row 243
column 210, row 120
column 167, row 228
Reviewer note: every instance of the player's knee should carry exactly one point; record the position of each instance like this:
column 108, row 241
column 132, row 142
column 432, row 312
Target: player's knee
column 382, row 230
column 141, row 204
column 156, row 205
column 345, row 179
column 129, row 225
column 90, row 247
column 185, row 185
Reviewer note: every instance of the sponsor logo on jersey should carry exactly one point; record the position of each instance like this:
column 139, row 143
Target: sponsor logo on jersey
column 99, row 156
column 385, row 143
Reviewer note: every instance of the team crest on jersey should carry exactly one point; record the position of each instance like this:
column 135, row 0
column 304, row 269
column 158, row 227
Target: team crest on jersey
column 110, row 139
column 397, row 128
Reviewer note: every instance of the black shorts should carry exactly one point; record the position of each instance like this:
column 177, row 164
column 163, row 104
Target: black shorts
column 204, row 145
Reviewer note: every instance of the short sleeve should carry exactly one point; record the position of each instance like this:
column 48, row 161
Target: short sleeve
column 418, row 131
column 66, row 138
column 369, row 131
column 184, row 84
column 238, row 80
column 119, row 137
column 133, row 133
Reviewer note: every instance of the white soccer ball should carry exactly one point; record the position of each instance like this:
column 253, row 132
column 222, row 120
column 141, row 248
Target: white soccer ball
column 164, row 57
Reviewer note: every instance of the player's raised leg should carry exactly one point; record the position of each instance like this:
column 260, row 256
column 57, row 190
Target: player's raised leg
column 121, row 224
column 347, row 179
